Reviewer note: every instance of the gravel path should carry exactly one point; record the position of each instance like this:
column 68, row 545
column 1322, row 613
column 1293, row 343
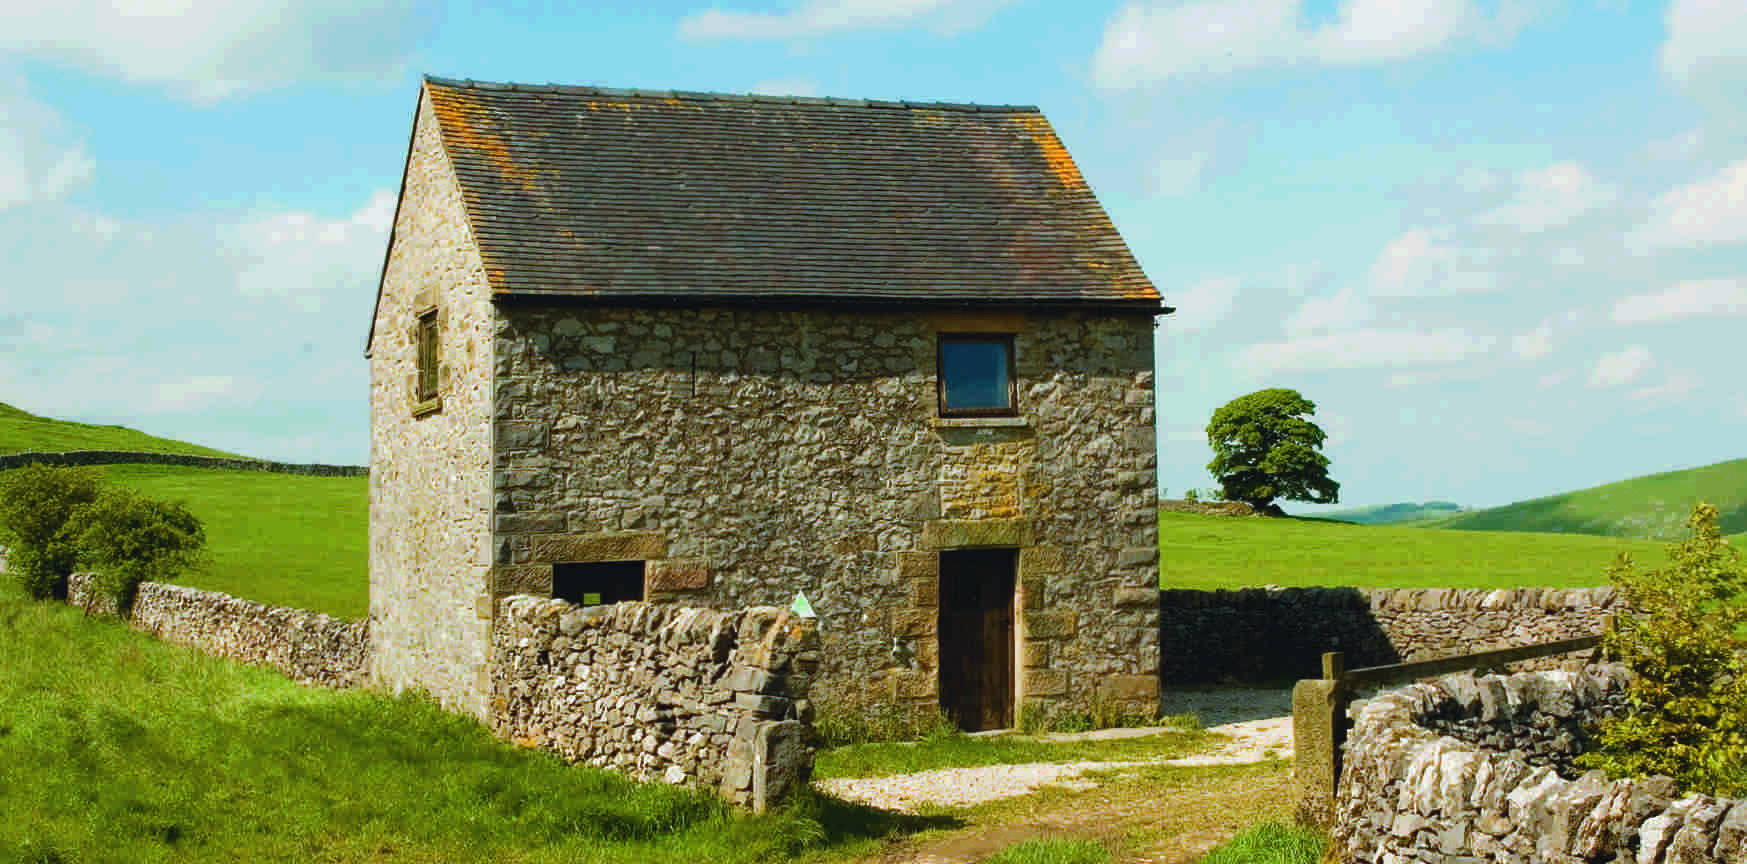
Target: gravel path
column 1240, row 742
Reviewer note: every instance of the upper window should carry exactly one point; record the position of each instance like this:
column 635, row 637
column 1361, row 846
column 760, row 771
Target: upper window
column 976, row 374
column 427, row 375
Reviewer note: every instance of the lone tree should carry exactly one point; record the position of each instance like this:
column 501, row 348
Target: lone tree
column 1265, row 448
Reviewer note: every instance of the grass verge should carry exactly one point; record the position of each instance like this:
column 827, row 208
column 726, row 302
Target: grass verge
column 279, row 539
column 957, row 750
column 1209, row 552
column 1052, row 852
column 1271, row 843
column 116, row 747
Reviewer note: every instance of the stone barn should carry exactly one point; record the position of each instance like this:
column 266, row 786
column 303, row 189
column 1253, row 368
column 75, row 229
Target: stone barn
column 719, row 350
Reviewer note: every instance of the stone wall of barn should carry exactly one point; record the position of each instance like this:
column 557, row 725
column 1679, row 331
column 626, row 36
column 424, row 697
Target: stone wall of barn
column 430, row 477
column 749, row 454
column 1274, row 634
column 694, row 697
column 1468, row 769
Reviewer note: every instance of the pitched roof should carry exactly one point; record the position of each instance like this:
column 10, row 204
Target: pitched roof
column 636, row 194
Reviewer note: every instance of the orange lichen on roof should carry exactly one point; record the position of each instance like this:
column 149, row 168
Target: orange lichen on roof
column 1054, row 154
column 460, row 118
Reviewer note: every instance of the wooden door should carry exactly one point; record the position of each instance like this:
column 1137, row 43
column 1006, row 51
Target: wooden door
column 976, row 637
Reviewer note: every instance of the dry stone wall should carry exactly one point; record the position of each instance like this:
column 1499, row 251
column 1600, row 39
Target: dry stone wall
column 1264, row 634
column 748, row 454
column 130, row 457
column 309, row 647
column 1467, row 770
column 695, row 697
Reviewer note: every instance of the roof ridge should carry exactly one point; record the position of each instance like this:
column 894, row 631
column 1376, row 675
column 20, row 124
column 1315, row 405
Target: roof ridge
column 699, row 96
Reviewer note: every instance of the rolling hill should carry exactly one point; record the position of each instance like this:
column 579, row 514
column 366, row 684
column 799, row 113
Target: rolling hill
column 281, row 539
column 1391, row 514
column 22, row 431
column 1652, row 507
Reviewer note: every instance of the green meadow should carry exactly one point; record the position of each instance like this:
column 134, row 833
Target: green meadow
column 280, row 539
column 116, row 747
column 1653, row 507
column 1232, row 552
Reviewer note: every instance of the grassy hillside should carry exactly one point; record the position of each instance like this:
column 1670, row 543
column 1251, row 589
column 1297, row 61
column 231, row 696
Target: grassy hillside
column 281, row 539
column 1226, row 552
column 1390, row 514
column 21, row 431
column 1652, row 507
column 119, row 748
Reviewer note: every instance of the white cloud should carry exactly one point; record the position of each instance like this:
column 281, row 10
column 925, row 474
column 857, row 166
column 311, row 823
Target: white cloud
column 1151, row 41
column 1552, row 380
column 1345, row 310
column 1361, row 349
column 824, row 17
column 1172, row 176
column 1678, row 384
column 1620, row 367
column 786, row 87
column 1688, row 299
column 1536, row 343
column 193, row 321
column 1202, row 305
column 38, row 161
column 1710, row 212
column 1417, row 264
column 1703, row 47
column 206, row 52
column 1550, row 197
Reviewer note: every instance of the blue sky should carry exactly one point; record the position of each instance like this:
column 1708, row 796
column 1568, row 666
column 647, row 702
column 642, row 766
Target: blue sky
column 1502, row 244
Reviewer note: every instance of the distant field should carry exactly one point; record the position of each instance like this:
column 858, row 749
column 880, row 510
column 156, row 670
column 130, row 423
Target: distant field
column 21, row 431
column 281, row 539
column 1233, row 552
column 1654, row 506
column 1394, row 514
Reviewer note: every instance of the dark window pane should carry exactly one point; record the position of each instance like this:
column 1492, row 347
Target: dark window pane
column 427, row 356
column 973, row 375
column 594, row 583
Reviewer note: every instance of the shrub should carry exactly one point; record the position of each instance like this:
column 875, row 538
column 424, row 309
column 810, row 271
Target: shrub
column 38, row 510
column 1687, row 704
column 128, row 539
column 1191, row 495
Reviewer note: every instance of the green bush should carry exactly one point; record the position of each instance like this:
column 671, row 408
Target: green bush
column 1687, row 703
column 39, row 506
column 129, row 538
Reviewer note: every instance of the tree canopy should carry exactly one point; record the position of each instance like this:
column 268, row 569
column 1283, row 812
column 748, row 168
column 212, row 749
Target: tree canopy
column 1265, row 449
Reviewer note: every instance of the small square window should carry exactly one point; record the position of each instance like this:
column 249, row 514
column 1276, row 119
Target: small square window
column 976, row 374
column 427, row 375
column 596, row 583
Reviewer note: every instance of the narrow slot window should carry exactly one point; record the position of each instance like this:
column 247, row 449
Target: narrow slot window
column 597, row 583
column 427, row 374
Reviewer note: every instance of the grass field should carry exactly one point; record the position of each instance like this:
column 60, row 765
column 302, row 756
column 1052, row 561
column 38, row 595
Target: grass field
column 21, row 431
column 117, row 747
column 1228, row 552
column 281, row 539
column 964, row 751
column 1653, row 507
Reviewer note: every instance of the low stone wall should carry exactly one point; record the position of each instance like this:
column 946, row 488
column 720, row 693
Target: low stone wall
column 1276, row 634
column 694, row 697
column 307, row 646
column 129, row 457
column 1207, row 508
column 1474, row 770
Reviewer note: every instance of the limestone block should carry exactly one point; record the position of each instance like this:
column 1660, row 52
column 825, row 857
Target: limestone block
column 972, row 533
column 915, row 623
column 1136, row 597
column 532, row 579
column 675, row 574
column 605, row 546
column 918, row 565
column 1057, row 624
column 1045, row 682
column 782, row 763
column 1130, row 688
